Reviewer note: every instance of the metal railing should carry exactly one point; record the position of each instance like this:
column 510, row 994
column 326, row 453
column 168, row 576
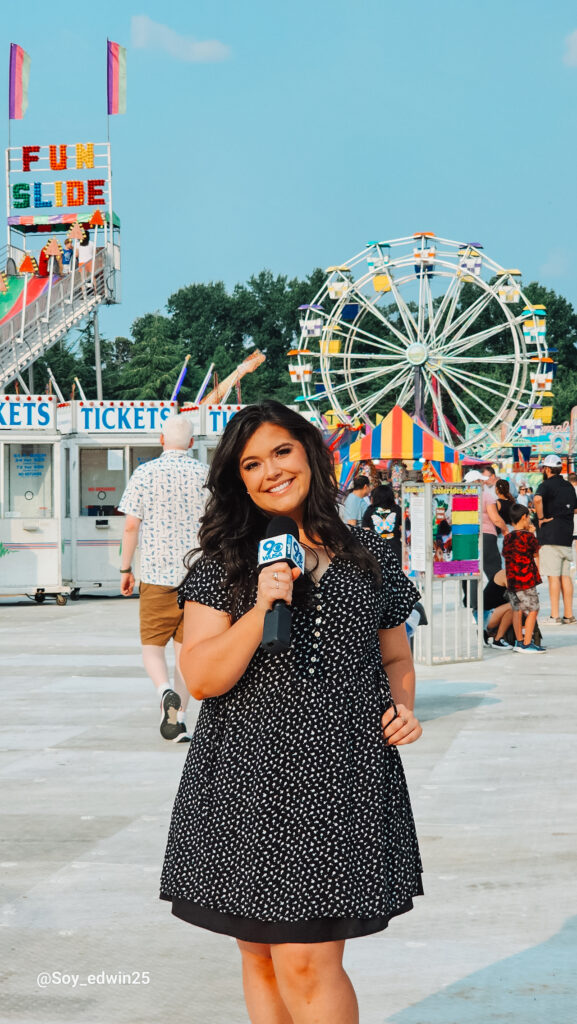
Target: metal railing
column 65, row 303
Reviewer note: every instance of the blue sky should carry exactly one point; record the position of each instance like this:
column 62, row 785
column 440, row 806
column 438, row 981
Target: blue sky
column 285, row 136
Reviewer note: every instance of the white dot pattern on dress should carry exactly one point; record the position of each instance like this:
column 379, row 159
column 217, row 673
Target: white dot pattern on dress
column 291, row 807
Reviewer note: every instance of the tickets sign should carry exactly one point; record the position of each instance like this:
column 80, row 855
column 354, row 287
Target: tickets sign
column 122, row 417
column 27, row 412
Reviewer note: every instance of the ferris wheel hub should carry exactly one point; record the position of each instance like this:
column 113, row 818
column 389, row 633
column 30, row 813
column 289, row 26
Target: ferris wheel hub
column 417, row 353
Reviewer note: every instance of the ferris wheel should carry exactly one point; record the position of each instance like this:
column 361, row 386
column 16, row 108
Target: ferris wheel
column 430, row 324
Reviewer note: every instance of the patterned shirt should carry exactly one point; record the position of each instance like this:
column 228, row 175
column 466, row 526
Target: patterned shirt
column 168, row 495
column 519, row 550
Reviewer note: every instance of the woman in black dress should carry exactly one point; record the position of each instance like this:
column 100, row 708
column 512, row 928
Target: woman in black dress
column 292, row 828
column 383, row 517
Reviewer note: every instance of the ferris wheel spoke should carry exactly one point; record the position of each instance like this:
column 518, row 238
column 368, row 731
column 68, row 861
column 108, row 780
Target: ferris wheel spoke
column 457, row 346
column 381, row 357
column 369, row 403
column 466, row 318
column 370, row 339
column 489, row 384
column 449, row 299
column 357, row 381
column 407, row 390
column 372, row 308
column 477, row 398
column 437, row 405
column 377, row 371
column 405, row 313
column 467, row 415
column 430, row 333
column 421, row 308
column 503, row 360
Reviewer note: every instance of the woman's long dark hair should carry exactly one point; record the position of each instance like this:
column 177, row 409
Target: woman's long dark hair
column 503, row 490
column 232, row 525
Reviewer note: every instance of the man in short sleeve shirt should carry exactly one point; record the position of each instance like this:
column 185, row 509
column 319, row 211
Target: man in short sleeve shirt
column 555, row 502
column 163, row 502
column 357, row 502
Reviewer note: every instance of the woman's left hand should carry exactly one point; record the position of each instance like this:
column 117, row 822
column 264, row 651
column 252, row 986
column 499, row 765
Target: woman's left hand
column 400, row 728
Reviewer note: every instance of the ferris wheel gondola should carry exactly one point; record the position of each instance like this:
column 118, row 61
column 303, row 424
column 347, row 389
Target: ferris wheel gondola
column 430, row 324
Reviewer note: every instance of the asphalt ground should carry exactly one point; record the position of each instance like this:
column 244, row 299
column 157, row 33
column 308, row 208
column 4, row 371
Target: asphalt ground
column 86, row 792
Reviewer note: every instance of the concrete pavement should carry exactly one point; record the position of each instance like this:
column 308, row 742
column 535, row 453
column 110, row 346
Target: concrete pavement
column 87, row 786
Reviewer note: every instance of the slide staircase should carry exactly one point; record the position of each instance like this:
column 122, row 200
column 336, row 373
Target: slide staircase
column 36, row 312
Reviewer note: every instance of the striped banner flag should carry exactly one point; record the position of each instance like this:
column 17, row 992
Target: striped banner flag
column 18, row 82
column 116, row 78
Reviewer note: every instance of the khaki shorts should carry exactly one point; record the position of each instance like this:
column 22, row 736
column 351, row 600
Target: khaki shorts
column 160, row 617
column 555, row 560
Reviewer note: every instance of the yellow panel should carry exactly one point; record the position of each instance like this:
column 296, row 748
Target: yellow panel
column 331, row 346
column 460, row 518
column 382, row 283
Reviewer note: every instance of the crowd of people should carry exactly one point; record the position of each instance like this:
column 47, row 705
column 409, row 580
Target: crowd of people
column 534, row 534
column 526, row 534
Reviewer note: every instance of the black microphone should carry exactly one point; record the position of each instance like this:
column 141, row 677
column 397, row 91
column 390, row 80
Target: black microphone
column 280, row 544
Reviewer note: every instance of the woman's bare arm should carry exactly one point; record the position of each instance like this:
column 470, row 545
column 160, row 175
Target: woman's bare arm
column 215, row 653
column 398, row 664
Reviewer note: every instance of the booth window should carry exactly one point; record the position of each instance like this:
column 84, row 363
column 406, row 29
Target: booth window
column 28, row 481
column 143, row 453
column 102, row 481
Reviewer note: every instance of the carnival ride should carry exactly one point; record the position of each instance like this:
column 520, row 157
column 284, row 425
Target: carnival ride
column 432, row 325
column 222, row 389
column 39, row 303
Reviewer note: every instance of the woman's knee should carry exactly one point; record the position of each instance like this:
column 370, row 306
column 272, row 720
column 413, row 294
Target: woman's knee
column 303, row 967
column 256, row 956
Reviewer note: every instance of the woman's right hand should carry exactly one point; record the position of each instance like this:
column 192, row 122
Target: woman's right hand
column 275, row 583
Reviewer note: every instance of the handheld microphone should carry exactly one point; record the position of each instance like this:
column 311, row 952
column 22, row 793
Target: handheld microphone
column 281, row 544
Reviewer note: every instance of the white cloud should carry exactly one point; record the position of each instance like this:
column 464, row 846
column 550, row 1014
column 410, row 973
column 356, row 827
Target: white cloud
column 147, row 34
column 570, row 55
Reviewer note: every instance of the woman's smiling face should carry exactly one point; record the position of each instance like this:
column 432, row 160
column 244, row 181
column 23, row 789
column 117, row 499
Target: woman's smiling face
column 275, row 471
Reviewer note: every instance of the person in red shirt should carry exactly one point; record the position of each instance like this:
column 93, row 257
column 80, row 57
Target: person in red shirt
column 520, row 551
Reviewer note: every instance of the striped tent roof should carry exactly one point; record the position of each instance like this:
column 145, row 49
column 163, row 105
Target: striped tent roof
column 398, row 437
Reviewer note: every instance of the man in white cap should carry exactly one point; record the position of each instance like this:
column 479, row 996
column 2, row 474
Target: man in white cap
column 490, row 522
column 555, row 501
column 163, row 502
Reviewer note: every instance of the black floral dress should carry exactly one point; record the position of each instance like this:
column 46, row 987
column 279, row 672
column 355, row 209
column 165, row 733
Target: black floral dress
column 292, row 822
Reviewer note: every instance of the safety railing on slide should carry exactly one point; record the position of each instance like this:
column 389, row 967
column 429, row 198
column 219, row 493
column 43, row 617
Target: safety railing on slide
column 64, row 303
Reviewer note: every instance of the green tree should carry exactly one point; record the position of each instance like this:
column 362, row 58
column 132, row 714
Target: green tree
column 205, row 317
column 155, row 360
column 268, row 311
column 65, row 365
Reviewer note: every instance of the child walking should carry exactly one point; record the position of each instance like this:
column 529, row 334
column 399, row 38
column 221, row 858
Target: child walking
column 520, row 551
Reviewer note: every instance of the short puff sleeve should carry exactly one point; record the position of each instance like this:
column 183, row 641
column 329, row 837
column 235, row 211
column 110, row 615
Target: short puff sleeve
column 398, row 595
column 205, row 585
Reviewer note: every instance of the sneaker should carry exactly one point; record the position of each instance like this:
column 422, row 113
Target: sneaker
column 183, row 736
column 488, row 639
column 529, row 648
column 553, row 622
column 502, row 643
column 569, row 620
column 170, row 727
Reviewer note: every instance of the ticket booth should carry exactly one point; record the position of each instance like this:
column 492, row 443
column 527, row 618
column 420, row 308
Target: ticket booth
column 106, row 442
column 32, row 498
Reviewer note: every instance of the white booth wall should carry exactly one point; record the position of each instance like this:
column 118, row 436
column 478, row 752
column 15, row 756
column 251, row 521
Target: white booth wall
column 32, row 496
